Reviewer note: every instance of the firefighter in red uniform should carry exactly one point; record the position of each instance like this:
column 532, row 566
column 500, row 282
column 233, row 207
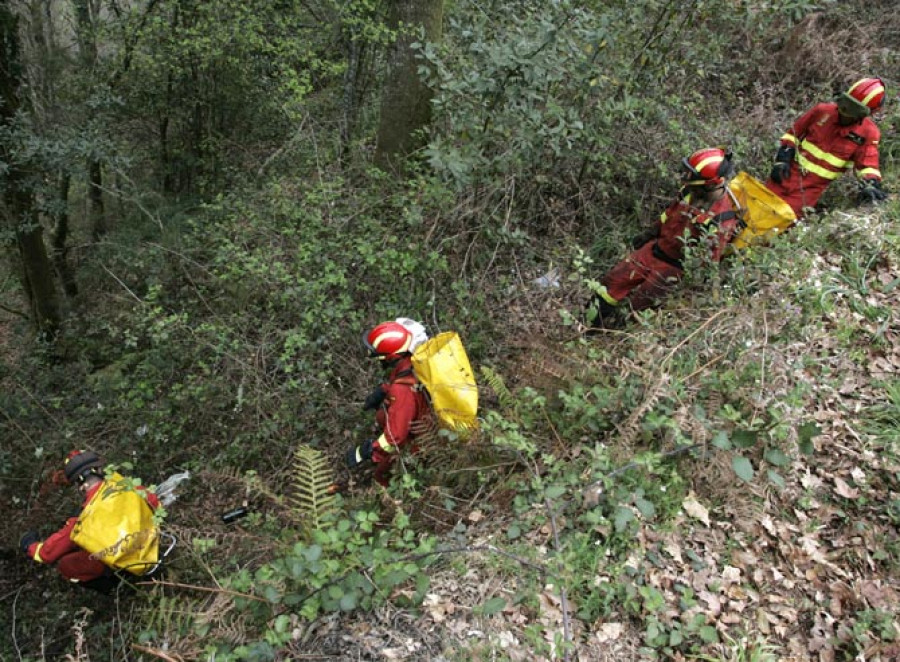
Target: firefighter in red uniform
column 827, row 140
column 401, row 409
column 84, row 469
column 704, row 212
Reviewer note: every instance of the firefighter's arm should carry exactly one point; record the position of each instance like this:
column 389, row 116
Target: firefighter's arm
column 55, row 546
column 150, row 497
column 865, row 159
column 866, row 168
column 800, row 128
column 400, row 412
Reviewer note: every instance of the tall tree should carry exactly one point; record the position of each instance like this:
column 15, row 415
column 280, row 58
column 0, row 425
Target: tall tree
column 19, row 209
column 406, row 100
column 86, row 12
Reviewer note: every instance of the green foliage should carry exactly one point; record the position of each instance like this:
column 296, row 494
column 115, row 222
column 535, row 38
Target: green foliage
column 353, row 562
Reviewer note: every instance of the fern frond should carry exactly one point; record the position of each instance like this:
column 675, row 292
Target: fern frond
column 630, row 429
column 504, row 396
column 313, row 482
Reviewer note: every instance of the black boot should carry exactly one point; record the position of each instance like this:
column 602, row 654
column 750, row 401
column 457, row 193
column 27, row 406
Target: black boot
column 607, row 315
column 105, row 584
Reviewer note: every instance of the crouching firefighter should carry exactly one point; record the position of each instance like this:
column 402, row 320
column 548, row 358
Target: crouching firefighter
column 704, row 213
column 402, row 412
column 828, row 140
column 113, row 531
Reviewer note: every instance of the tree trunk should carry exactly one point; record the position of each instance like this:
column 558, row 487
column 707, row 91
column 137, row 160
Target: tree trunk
column 18, row 199
column 86, row 12
column 60, row 235
column 96, row 210
column 352, row 49
column 406, row 100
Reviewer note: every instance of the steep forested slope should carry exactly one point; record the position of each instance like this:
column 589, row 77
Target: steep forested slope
column 717, row 480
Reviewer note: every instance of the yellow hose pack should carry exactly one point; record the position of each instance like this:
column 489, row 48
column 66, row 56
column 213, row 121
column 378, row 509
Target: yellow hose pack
column 765, row 214
column 442, row 366
column 116, row 527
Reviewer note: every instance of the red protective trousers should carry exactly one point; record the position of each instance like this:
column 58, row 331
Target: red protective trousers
column 653, row 270
column 825, row 149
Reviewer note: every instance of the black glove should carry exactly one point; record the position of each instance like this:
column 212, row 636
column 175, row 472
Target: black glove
column 375, row 398
column 28, row 540
column 359, row 454
column 643, row 238
column 870, row 191
column 782, row 165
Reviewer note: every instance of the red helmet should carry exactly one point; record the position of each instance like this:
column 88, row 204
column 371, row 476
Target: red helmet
column 869, row 92
column 389, row 340
column 81, row 464
column 707, row 167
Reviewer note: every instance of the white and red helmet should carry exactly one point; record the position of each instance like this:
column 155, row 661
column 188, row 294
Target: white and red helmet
column 389, row 341
column 708, row 167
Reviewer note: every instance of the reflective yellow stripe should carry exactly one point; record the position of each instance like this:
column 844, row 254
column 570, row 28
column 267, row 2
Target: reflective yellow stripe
column 822, row 155
column 662, row 217
column 816, row 169
column 868, row 172
column 37, row 553
column 385, row 445
column 789, row 138
column 705, row 162
column 876, row 90
column 606, row 296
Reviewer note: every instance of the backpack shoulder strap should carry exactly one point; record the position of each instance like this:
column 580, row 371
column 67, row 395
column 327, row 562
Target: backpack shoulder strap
column 406, row 377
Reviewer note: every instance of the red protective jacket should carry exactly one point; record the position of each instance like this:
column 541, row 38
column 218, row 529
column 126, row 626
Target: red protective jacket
column 653, row 269
column 404, row 404
column 75, row 564
column 825, row 150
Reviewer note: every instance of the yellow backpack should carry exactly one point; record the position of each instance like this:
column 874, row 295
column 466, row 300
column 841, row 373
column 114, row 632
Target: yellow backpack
column 765, row 214
column 443, row 368
column 116, row 527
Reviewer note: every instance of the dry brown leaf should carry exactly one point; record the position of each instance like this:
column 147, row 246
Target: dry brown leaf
column 712, row 601
column 695, row 509
column 731, row 575
column 609, row 632
column 844, row 490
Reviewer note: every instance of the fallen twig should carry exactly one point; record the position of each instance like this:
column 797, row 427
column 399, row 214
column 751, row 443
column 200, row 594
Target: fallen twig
column 157, row 653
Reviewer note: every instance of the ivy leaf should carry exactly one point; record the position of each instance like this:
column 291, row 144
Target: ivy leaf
column 675, row 638
column 271, row 594
column 708, row 634
column 623, row 517
column 348, row 602
column 744, row 438
column 647, row 508
column 722, row 441
column 554, row 491
column 775, row 478
column 805, row 435
column 742, row 467
column 492, row 606
column 513, row 532
column 776, row 457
